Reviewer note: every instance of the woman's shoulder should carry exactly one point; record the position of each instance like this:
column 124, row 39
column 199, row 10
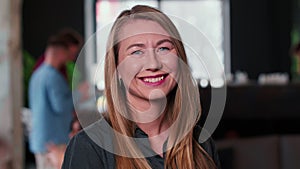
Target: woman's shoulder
column 80, row 138
column 85, row 150
column 207, row 143
column 98, row 136
column 81, row 146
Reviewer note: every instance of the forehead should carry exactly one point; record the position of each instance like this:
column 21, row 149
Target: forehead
column 140, row 27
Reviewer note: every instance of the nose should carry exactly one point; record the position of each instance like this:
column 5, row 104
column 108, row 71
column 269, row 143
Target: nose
column 152, row 62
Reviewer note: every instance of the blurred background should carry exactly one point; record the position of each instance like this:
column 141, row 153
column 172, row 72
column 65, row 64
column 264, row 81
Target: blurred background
column 255, row 41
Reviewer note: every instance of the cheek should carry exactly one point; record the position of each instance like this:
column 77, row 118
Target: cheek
column 128, row 68
column 67, row 56
column 62, row 55
column 171, row 63
column 74, row 50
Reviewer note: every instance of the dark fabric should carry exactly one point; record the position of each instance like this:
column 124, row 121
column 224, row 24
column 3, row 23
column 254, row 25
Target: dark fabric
column 83, row 153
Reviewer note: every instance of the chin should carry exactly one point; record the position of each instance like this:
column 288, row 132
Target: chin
column 156, row 94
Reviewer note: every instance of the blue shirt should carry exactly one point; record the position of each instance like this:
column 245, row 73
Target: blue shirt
column 51, row 103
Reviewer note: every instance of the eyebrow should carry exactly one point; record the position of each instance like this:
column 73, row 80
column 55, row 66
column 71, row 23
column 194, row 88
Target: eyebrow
column 135, row 45
column 163, row 41
column 143, row 45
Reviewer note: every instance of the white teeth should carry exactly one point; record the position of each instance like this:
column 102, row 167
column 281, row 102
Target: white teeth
column 153, row 80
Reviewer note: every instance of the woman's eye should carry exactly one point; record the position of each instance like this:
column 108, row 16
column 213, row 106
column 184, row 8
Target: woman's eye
column 163, row 50
column 137, row 52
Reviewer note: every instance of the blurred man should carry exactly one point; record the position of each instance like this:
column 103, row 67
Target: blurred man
column 51, row 103
column 74, row 41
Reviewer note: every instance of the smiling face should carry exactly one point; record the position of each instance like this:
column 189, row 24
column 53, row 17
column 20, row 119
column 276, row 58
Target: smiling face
column 147, row 61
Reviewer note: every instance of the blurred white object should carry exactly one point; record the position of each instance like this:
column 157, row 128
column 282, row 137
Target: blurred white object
column 273, row 78
column 229, row 77
column 102, row 104
column 204, row 83
column 241, row 77
column 217, row 83
column 26, row 119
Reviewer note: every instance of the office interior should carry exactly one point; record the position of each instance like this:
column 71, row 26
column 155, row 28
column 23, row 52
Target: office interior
column 254, row 40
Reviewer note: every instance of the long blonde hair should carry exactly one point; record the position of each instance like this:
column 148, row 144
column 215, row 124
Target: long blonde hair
column 183, row 103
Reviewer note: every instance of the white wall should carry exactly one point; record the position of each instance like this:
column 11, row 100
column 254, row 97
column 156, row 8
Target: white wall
column 5, row 118
column 11, row 80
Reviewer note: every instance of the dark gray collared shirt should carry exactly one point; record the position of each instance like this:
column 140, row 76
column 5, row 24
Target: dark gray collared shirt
column 84, row 153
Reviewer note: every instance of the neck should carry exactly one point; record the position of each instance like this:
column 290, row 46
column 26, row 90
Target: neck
column 155, row 127
column 53, row 62
column 157, row 131
column 149, row 115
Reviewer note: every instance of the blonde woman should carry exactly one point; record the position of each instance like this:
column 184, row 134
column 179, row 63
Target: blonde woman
column 152, row 102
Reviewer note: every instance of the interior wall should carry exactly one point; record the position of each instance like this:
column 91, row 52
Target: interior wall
column 44, row 18
column 260, row 36
column 260, row 31
column 11, row 134
column 5, row 118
